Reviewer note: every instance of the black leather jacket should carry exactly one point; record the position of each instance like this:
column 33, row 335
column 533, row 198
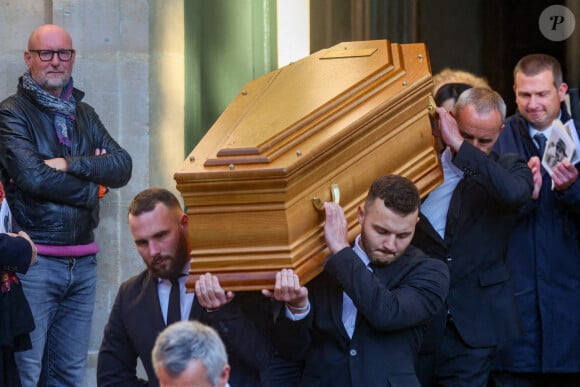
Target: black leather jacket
column 54, row 207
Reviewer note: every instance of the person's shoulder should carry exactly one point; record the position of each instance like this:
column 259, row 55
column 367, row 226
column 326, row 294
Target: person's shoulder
column 508, row 159
column 12, row 102
column 84, row 107
column 78, row 94
column 420, row 258
column 8, row 99
column 136, row 282
column 416, row 254
column 427, row 271
column 513, row 122
column 512, row 134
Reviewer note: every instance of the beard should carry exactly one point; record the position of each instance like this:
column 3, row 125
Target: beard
column 170, row 266
column 50, row 82
column 376, row 256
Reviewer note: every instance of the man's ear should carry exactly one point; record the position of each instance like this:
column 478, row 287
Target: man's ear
column 27, row 58
column 361, row 214
column 224, row 376
column 562, row 90
column 184, row 223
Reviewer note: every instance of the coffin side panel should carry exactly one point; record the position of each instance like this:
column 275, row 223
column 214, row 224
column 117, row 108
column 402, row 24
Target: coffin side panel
column 249, row 192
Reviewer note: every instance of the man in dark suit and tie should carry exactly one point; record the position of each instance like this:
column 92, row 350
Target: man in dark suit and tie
column 466, row 222
column 368, row 309
column 544, row 250
column 151, row 300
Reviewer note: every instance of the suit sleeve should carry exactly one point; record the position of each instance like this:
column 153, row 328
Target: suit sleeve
column 245, row 325
column 117, row 360
column 417, row 297
column 292, row 338
column 507, row 178
column 570, row 198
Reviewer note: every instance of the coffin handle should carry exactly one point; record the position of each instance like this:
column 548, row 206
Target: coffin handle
column 334, row 192
column 431, row 107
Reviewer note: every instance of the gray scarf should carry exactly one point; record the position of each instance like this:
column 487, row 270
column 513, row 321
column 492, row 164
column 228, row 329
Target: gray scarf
column 63, row 109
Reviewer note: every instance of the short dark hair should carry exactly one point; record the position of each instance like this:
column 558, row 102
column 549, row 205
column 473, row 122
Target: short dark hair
column 450, row 91
column 146, row 200
column 534, row 64
column 398, row 193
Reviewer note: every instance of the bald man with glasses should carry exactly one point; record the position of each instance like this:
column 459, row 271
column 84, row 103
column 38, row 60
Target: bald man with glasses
column 47, row 55
column 57, row 160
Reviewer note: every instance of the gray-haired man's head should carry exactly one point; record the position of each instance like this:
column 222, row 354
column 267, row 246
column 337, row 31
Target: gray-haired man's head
column 190, row 353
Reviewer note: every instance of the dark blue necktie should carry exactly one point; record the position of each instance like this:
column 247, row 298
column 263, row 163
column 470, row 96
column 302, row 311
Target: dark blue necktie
column 541, row 140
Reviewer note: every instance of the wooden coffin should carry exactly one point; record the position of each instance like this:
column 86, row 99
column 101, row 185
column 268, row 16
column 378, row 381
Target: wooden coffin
column 340, row 117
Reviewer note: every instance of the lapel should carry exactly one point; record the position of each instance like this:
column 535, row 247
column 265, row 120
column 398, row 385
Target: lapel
column 454, row 213
column 575, row 108
column 196, row 310
column 337, row 313
column 429, row 240
column 335, row 298
column 523, row 143
column 151, row 293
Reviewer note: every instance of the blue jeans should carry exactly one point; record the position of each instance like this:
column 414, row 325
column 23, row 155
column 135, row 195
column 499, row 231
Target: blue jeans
column 61, row 294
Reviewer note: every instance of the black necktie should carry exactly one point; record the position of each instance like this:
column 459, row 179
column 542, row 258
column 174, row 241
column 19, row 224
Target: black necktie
column 174, row 305
column 541, row 140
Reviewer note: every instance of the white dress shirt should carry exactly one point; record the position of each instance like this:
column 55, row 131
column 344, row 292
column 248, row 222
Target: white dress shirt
column 349, row 310
column 185, row 299
column 436, row 205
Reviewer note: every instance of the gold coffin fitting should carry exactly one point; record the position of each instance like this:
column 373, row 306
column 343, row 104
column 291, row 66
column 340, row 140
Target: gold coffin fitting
column 334, row 192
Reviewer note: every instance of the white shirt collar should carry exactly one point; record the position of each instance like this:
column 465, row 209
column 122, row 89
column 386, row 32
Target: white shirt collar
column 360, row 252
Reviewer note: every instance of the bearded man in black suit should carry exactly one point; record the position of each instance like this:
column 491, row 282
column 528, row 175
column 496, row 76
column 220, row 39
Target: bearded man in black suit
column 143, row 306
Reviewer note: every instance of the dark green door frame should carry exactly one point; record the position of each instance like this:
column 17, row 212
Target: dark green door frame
column 227, row 44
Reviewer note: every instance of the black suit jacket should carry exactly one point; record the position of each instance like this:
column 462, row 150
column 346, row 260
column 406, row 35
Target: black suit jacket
column 394, row 304
column 136, row 321
column 481, row 215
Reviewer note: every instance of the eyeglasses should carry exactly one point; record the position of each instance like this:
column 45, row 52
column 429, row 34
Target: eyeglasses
column 47, row 55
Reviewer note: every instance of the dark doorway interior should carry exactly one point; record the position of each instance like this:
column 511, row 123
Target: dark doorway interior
column 511, row 31
column 486, row 38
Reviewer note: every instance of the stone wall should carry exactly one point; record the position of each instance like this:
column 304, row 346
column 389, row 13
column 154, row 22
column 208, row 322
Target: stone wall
column 130, row 64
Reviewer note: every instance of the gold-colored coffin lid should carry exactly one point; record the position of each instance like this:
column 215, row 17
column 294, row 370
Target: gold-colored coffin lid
column 344, row 115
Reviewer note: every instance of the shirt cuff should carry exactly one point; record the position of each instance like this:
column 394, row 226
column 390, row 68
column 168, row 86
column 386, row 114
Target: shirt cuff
column 297, row 316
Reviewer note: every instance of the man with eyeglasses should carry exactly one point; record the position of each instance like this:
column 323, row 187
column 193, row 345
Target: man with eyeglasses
column 57, row 161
